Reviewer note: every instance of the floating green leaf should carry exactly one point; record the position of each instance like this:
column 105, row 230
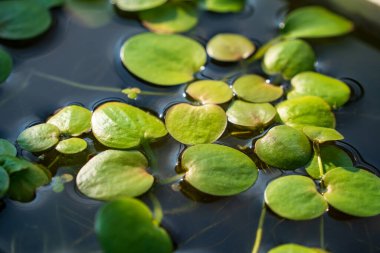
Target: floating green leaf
column 306, row 111
column 218, row 170
column 7, row 148
column 4, row 182
column 322, row 134
column 331, row 157
column 355, row 192
column 127, row 225
column 112, row 174
column 224, row 6
column 254, row 88
column 58, row 182
column 52, row 3
column 295, row 248
column 171, row 17
column 71, row 146
column 251, row 116
column 315, row 22
column 229, row 47
column 72, row 120
column 289, row 58
column 210, row 92
column 163, row 59
column 39, row 137
column 336, row 93
column 284, row 147
column 191, row 124
column 138, row 5
column 295, row 197
column 6, row 64
column 119, row 125
column 22, row 20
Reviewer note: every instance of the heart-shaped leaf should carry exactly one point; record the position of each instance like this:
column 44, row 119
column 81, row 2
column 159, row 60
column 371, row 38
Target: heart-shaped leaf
column 119, row 125
column 295, row 248
column 163, row 59
column 322, row 134
column 71, row 146
column 112, row 174
column 4, row 182
column 210, row 92
column 7, row 148
column 218, row 170
column 254, row 88
column 284, row 147
column 138, row 5
column 39, row 137
column 6, row 64
column 295, row 197
column 223, row 6
column 191, row 124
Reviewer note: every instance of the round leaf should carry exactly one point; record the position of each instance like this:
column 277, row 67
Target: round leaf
column 4, row 182
column 218, row 170
column 322, row 134
column 284, row 147
column 112, row 174
column 336, row 93
column 332, row 157
column 171, row 17
column 6, row 64
column 163, row 59
column 39, row 137
column 254, row 88
column 138, row 5
column 210, row 92
column 7, row 148
column 23, row 19
column 119, row 125
column 72, row 120
column 127, row 225
column 251, row 116
column 355, row 192
column 224, row 6
column 229, row 47
column 306, row 111
column 295, row 248
column 71, row 146
column 295, row 198
column 191, row 125
column 289, row 58
column 315, row 22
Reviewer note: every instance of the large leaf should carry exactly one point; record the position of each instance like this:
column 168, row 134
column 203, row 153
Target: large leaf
column 6, row 63
column 39, row 138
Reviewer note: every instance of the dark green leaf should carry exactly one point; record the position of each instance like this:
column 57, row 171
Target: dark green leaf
column 7, row 148
column 6, row 62
column 4, row 182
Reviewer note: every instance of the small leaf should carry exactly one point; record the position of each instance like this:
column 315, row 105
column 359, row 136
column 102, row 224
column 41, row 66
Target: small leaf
column 6, row 64
column 295, row 197
column 132, row 93
column 254, row 88
column 7, row 148
column 4, row 182
column 138, row 5
column 39, row 137
column 71, row 146
column 322, row 134
column 295, row 248
column 229, row 47
column 218, row 170
column 210, row 92
column 224, row 6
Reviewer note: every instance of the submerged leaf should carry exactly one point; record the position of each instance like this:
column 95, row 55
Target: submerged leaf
column 138, row 5
column 295, row 248
column 224, row 6
column 210, row 92
column 191, row 124
column 6, row 65
column 218, row 170
column 4, row 182
column 112, row 174
column 71, row 146
column 322, row 134
column 39, row 137
column 163, row 59
column 7, row 148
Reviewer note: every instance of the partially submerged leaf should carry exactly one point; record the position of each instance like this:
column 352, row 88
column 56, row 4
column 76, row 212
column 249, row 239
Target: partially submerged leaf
column 127, row 225
column 224, row 6
column 322, row 134
column 4, row 182
column 229, row 47
column 7, row 148
column 284, row 147
column 254, row 88
column 210, row 91
column 163, row 59
column 112, row 174
column 295, row 248
column 191, row 124
column 218, row 170
column 71, row 146
column 39, row 137
column 6, row 64
column 295, row 197
column 138, row 5
column 90, row 13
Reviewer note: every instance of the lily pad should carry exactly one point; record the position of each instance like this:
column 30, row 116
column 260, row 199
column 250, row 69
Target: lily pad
column 229, row 47
column 191, row 124
column 71, row 146
column 72, row 120
column 251, row 116
column 315, row 22
column 39, row 137
column 295, row 248
column 127, row 225
column 23, row 19
column 171, row 17
column 284, row 147
column 224, row 6
column 306, row 111
column 254, row 88
column 112, row 174
column 295, row 197
column 6, row 64
column 355, row 192
column 289, row 58
column 119, row 125
column 7, row 148
column 163, row 59
column 336, row 93
column 210, row 92
column 4, row 182
column 322, row 134
column 218, row 170
column 331, row 157
column 138, row 5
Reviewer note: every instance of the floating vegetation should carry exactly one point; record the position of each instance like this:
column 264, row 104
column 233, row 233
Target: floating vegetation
column 223, row 6
column 71, row 146
column 210, row 92
column 6, row 64
column 39, row 138
column 295, row 248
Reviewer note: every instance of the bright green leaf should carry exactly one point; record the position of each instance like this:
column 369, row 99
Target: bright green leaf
column 224, row 6
column 322, row 134
column 295, row 248
column 71, row 146
column 39, row 137
column 138, row 5
column 7, row 148
column 6, row 63
column 210, row 92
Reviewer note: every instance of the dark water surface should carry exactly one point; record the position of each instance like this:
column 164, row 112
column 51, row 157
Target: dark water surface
column 87, row 52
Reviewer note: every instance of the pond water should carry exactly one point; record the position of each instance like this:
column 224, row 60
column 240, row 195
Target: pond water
column 83, row 46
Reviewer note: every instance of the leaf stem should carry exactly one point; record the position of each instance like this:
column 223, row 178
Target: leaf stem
column 317, row 151
column 53, row 162
column 157, row 208
column 151, row 156
column 259, row 231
